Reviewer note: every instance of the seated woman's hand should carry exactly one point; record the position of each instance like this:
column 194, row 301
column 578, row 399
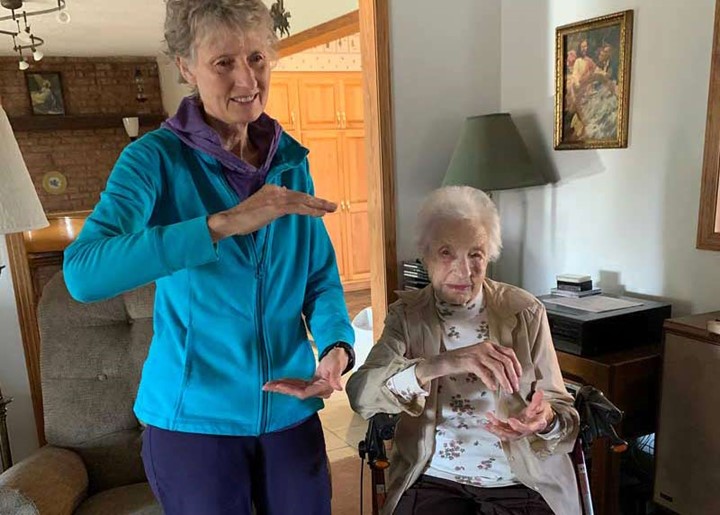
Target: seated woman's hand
column 535, row 418
column 261, row 208
column 494, row 364
column 323, row 384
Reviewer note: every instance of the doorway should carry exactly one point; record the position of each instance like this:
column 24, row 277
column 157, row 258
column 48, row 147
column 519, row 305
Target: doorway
column 371, row 22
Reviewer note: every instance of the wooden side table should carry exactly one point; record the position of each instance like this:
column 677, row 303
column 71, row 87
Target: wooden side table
column 631, row 380
column 5, row 456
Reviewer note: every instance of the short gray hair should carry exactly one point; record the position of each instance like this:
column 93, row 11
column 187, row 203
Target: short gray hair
column 453, row 203
column 188, row 20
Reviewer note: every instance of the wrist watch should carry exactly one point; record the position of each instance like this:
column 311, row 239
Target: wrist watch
column 348, row 350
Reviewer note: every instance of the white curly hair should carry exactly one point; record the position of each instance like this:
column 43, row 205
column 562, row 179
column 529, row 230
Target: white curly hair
column 453, row 203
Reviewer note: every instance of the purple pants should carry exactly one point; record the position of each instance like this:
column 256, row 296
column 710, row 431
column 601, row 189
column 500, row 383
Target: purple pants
column 280, row 473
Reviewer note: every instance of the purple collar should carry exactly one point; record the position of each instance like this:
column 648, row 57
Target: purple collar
column 190, row 126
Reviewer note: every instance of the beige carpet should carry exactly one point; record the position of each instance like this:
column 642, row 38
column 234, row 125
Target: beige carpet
column 346, row 487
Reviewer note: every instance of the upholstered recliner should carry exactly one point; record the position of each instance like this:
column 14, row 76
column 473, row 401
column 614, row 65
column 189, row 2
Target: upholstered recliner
column 91, row 359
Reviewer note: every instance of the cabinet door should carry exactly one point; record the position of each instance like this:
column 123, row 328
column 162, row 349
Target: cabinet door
column 325, row 168
column 319, row 102
column 686, row 474
column 353, row 109
column 356, row 205
column 283, row 101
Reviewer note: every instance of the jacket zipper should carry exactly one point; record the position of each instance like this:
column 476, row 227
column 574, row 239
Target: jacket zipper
column 259, row 274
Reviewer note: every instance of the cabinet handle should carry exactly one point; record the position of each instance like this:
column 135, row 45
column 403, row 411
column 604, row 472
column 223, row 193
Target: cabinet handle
column 342, row 205
column 339, row 119
column 292, row 117
column 344, row 122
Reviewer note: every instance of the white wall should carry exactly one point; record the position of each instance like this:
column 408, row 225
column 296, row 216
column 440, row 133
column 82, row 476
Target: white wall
column 13, row 375
column 445, row 66
column 627, row 216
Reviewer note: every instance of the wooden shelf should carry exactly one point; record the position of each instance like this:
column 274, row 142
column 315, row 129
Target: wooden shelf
column 83, row 122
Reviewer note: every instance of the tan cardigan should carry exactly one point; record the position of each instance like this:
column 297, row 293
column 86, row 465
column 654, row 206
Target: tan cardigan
column 413, row 332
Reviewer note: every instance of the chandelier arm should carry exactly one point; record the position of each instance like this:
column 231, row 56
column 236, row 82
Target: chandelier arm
column 61, row 6
column 39, row 42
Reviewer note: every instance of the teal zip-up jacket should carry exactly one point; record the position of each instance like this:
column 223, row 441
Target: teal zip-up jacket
column 228, row 316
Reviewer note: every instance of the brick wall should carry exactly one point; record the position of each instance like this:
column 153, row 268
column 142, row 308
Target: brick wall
column 91, row 86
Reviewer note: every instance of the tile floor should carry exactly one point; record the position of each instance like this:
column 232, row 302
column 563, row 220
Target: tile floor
column 343, row 428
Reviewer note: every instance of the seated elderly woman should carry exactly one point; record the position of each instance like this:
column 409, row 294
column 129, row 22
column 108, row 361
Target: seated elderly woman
column 486, row 423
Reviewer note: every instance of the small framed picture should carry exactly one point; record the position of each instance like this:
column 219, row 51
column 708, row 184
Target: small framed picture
column 46, row 95
column 592, row 82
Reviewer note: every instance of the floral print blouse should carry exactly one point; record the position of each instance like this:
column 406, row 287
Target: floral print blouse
column 464, row 451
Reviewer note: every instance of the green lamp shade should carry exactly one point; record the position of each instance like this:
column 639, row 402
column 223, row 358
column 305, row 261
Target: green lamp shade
column 491, row 155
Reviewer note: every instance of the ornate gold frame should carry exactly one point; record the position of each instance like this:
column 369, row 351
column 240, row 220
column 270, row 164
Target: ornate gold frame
column 625, row 20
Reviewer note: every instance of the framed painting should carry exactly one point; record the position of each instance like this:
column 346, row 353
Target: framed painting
column 45, row 90
column 592, row 82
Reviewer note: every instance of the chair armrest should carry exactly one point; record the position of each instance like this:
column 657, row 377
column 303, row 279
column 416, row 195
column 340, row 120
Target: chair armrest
column 52, row 481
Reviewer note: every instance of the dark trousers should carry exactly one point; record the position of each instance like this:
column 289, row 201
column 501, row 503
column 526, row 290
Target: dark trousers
column 430, row 496
column 283, row 473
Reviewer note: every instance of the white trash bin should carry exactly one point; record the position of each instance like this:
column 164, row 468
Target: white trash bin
column 363, row 326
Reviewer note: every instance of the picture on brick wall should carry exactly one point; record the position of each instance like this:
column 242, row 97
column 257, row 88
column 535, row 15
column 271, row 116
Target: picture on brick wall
column 592, row 82
column 45, row 90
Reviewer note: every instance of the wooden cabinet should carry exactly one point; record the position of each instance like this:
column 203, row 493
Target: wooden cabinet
column 320, row 105
column 356, row 205
column 630, row 379
column 283, row 103
column 337, row 164
column 686, row 470
column 331, row 101
column 352, row 109
column 330, row 123
column 317, row 101
column 326, row 168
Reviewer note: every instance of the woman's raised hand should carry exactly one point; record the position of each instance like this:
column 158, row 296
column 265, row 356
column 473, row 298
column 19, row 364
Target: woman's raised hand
column 258, row 210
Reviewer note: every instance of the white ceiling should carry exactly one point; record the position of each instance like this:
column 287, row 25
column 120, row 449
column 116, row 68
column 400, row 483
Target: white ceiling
column 134, row 27
column 97, row 28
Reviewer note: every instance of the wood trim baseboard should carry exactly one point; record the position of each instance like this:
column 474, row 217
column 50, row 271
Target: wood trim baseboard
column 27, row 317
column 337, row 28
column 379, row 142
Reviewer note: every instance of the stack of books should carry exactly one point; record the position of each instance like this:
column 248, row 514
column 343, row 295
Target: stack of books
column 415, row 277
column 571, row 285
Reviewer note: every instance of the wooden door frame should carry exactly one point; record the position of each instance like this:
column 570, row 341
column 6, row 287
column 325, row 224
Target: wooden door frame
column 380, row 148
column 373, row 22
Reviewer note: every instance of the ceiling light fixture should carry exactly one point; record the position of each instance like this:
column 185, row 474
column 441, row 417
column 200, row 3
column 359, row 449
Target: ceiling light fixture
column 23, row 37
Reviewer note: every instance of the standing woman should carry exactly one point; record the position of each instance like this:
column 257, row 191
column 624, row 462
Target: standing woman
column 217, row 208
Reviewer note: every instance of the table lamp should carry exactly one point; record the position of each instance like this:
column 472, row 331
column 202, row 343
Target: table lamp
column 490, row 155
column 20, row 208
